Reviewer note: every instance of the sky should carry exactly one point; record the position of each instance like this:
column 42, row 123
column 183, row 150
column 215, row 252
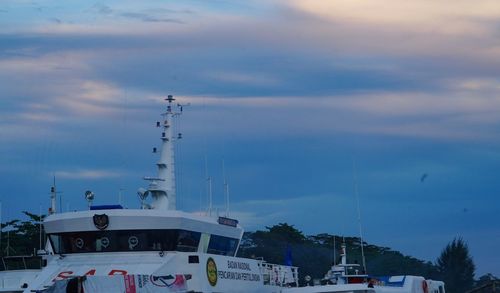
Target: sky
column 302, row 101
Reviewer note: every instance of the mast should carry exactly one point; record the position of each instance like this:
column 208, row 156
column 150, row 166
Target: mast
column 53, row 194
column 162, row 188
column 343, row 254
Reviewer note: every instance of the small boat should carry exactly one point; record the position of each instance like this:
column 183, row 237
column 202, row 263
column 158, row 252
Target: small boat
column 339, row 279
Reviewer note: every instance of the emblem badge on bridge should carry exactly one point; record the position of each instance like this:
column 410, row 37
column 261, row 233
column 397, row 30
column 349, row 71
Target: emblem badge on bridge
column 211, row 271
column 101, row 222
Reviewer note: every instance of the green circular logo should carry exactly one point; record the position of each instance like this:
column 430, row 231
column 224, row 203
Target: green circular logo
column 211, row 271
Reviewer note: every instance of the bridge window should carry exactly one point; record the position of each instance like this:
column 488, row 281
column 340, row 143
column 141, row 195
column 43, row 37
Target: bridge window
column 125, row 240
column 222, row 245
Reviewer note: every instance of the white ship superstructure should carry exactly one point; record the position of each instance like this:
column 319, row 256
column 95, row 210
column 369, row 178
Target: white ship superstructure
column 158, row 248
column 176, row 250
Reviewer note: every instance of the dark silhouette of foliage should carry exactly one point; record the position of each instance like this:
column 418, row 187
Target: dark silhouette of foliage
column 285, row 232
column 22, row 237
column 456, row 267
column 315, row 254
column 20, row 241
column 485, row 280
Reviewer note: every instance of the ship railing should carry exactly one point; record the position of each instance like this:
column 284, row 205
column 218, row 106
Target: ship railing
column 279, row 275
column 20, row 262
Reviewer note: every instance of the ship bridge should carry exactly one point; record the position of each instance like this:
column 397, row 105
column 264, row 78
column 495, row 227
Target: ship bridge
column 122, row 230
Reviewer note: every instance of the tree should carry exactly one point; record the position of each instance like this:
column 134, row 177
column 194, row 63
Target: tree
column 456, row 267
column 314, row 254
column 22, row 237
column 287, row 233
column 485, row 280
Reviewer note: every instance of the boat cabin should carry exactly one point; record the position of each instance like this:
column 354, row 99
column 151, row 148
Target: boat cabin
column 122, row 230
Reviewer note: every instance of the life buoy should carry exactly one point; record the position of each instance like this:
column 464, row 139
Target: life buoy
column 425, row 287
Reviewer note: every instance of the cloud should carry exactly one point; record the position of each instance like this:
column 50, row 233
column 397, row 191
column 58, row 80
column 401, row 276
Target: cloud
column 448, row 32
column 244, row 78
column 39, row 117
column 102, row 8
column 446, row 17
column 149, row 18
column 457, row 116
column 256, row 214
column 90, row 98
column 56, row 20
column 319, row 59
column 477, row 84
column 453, row 108
column 59, row 85
column 95, row 174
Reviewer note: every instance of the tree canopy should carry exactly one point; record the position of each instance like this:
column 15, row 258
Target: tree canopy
column 456, row 266
column 315, row 254
column 22, row 237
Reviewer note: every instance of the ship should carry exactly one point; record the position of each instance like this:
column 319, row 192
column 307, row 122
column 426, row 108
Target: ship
column 347, row 277
column 154, row 246
column 159, row 248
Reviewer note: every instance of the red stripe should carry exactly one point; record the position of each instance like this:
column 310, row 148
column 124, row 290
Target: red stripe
column 129, row 284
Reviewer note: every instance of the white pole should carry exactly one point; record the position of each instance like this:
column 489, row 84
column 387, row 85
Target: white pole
column 53, row 194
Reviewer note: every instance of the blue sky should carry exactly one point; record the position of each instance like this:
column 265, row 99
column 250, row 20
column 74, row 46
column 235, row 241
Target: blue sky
column 290, row 94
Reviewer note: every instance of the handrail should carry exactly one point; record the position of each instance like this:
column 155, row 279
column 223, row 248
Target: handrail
column 19, row 262
column 279, row 275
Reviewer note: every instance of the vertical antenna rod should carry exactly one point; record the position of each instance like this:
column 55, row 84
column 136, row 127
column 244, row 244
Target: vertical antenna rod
column 40, row 226
column 120, row 196
column 356, row 193
column 334, row 251
column 0, row 224
column 226, row 188
column 209, row 187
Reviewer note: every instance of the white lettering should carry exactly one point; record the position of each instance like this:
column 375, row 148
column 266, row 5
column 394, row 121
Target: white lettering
column 238, row 265
column 228, row 275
